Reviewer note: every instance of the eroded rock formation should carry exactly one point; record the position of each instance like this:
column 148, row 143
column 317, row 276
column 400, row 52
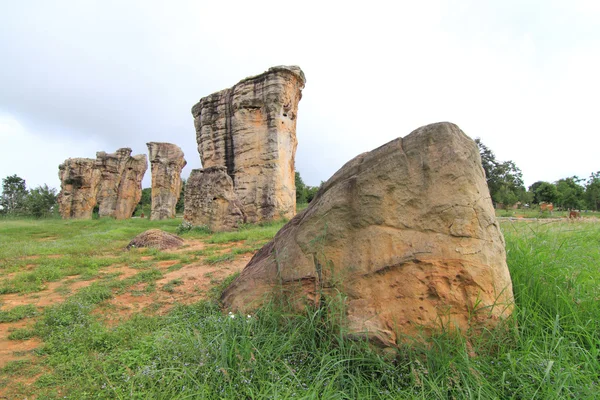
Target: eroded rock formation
column 210, row 200
column 407, row 232
column 130, row 188
column 166, row 162
column 157, row 239
column 113, row 181
column 79, row 182
column 250, row 129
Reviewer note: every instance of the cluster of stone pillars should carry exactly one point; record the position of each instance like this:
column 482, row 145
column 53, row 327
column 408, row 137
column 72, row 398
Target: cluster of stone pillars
column 246, row 138
column 113, row 183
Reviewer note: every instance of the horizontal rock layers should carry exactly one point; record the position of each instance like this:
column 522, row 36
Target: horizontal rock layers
column 407, row 232
column 166, row 162
column 113, row 181
column 250, row 129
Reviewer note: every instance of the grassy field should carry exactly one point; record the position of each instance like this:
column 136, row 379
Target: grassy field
column 80, row 317
column 536, row 213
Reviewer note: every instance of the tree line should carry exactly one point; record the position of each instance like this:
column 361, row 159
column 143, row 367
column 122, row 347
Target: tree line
column 17, row 200
column 504, row 179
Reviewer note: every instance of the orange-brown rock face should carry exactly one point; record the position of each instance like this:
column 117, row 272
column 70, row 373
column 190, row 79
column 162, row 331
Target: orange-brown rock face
column 211, row 201
column 166, row 161
column 79, row 181
column 251, row 130
column 407, row 232
column 130, row 188
column 113, row 181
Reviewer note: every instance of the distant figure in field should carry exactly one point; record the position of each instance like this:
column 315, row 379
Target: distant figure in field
column 546, row 207
column 574, row 214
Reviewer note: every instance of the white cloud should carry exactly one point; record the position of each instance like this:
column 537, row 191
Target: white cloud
column 520, row 75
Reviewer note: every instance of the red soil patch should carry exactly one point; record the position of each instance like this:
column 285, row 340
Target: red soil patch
column 194, row 280
column 190, row 245
column 166, row 263
column 11, row 350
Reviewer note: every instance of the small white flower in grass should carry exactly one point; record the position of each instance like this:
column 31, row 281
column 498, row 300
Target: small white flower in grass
column 249, row 316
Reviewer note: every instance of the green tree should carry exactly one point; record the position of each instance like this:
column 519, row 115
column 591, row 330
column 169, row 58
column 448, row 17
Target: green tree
column 504, row 178
column 570, row 193
column 14, row 193
column 300, row 189
column 145, row 202
column 41, row 201
column 532, row 189
column 545, row 192
column 311, row 192
column 179, row 207
column 592, row 191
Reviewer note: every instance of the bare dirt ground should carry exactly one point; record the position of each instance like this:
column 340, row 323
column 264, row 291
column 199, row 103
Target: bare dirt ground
column 190, row 283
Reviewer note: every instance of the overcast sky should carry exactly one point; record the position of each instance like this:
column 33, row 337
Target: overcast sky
column 81, row 76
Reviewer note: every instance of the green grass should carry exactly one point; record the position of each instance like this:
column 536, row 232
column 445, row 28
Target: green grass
column 536, row 213
column 21, row 334
column 170, row 286
column 262, row 232
column 220, row 258
column 18, row 313
column 550, row 349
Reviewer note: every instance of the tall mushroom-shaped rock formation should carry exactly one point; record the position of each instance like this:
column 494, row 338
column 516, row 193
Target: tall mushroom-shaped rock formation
column 79, row 182
column 113, row 181
column 407, row 232
column 166, row 162
column 211, row 201
column 251, row 130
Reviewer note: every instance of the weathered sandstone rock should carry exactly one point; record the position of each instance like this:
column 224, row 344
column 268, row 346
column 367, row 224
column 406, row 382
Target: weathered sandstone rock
column 120, row 182
column 407, row 232
column 211, row 201
column 157, row 239
column 251, row 130
column 79, row 181
column 130, row 188
column 113, row 181
column 166, row 161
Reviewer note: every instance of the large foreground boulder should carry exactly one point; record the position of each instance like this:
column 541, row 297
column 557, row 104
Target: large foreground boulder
column 406, row 232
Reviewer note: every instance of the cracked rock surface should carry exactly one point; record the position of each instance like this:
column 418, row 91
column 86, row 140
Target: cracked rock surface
column 250, row 129
column 113, row 181
column 166, row 162
column 406, row 232
column 211, row 201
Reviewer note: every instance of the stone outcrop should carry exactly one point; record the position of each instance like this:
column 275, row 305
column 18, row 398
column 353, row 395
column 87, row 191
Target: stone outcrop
column 79, row 182
column 157, row 239
column 407, row 232
column 113, row 181
column 130, row 188
column 166, row 163
column 210, row 200
column 250, row 129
